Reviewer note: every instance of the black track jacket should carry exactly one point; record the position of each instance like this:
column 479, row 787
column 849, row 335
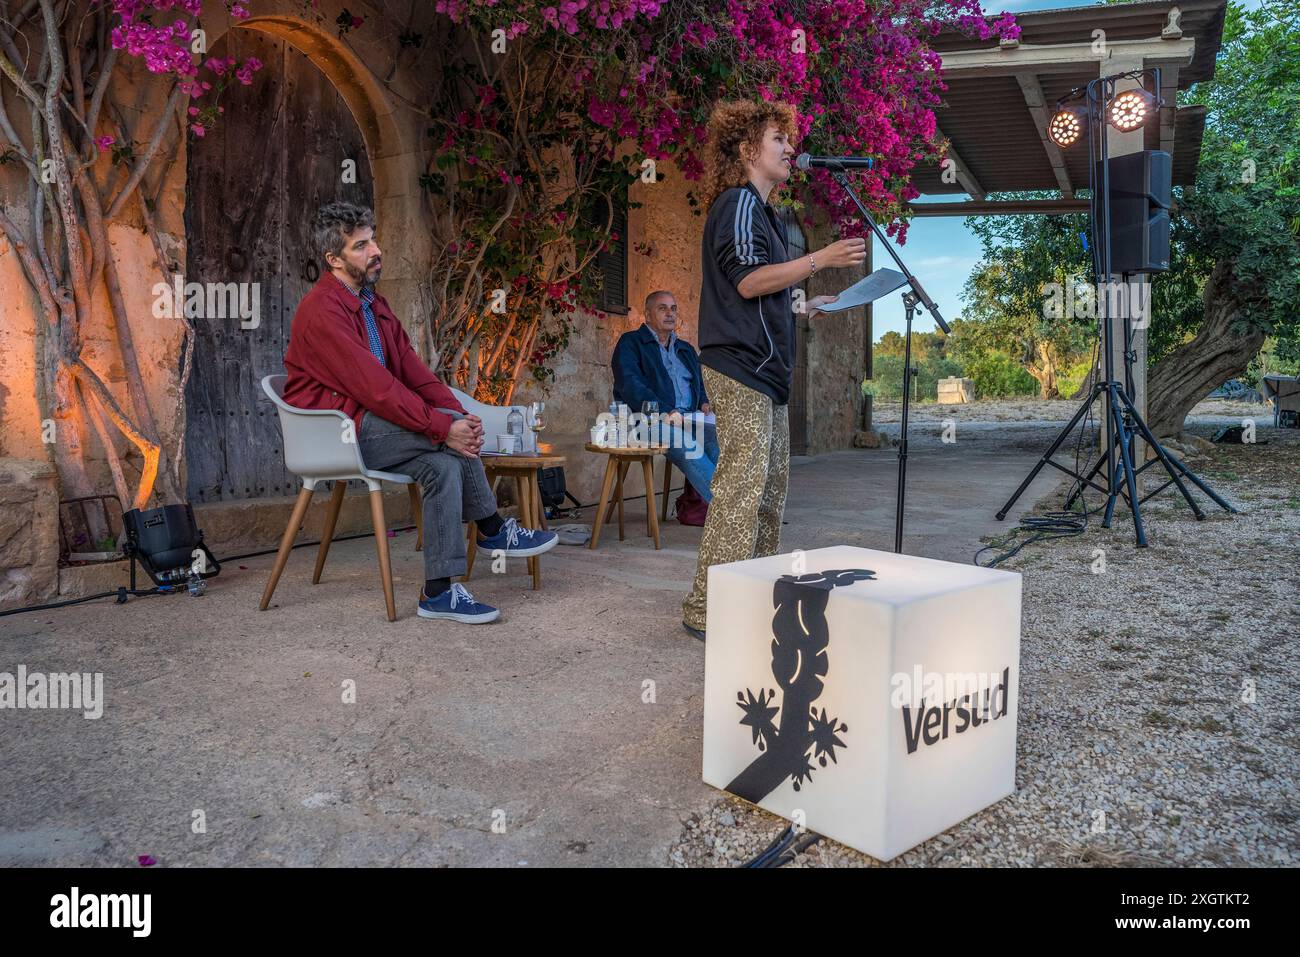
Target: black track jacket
column 750, row 340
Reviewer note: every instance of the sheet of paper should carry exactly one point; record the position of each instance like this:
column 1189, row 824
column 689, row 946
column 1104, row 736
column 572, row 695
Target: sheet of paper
column 879, row 283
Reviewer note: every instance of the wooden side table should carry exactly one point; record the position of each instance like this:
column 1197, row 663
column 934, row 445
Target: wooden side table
column 523, row 468
column 619, row 460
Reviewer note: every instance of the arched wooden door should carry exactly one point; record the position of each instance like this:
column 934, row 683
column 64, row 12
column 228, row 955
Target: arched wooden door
column 253, row 185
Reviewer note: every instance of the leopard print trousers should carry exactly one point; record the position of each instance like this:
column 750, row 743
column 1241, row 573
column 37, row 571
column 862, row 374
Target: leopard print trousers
column 748, row 487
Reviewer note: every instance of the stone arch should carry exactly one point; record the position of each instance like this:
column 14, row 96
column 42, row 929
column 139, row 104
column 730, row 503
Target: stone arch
column 390, row 143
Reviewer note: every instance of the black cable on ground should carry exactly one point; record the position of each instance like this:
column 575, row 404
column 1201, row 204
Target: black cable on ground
column 344, row 538
column 120, row 594
column 784, row 849
column 773, row 850
column 1063, row 523
column 233, row 558
column 795, row 851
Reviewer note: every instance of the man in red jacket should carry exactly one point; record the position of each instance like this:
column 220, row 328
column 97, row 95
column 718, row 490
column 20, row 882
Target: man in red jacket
column 347, row 351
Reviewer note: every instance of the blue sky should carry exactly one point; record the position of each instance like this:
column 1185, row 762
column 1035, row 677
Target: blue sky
column 940, row 250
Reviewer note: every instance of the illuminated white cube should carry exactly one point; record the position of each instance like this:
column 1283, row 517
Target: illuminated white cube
column 873, row 765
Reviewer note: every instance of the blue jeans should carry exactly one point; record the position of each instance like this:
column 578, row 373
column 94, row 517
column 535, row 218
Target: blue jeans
column 696, row 463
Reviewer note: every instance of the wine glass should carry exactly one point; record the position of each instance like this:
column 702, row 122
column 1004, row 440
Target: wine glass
column 650, row 409
column 537, row 421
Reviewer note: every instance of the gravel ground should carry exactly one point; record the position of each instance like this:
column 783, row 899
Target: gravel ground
column 1139, row 741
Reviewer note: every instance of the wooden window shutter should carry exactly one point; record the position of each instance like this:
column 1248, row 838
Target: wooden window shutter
column 613, row 262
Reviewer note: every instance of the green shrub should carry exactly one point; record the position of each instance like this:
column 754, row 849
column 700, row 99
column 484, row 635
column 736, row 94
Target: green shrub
column 996, row 376
column 888, row 380
column 1068, row 382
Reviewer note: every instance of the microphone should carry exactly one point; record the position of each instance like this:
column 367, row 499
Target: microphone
column 804, row 161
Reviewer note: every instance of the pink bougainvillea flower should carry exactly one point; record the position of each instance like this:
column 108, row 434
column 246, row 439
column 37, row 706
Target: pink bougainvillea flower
column 197, row 129
column 146, row 860
column 104, row 142
column 245, row 72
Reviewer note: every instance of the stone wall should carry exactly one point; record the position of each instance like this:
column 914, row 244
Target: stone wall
column 836, row 345
column 29, row 532
column 669, row 232
column 667, row 229
column 372, row 72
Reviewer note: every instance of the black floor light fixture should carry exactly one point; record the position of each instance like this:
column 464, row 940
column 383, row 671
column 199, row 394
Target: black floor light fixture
column 1143, row 231
column 168, row 545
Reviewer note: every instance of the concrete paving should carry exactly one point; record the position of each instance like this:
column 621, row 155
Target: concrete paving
column 567, row 733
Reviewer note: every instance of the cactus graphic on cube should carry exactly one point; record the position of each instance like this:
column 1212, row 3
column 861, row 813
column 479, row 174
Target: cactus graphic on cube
column 800, row 636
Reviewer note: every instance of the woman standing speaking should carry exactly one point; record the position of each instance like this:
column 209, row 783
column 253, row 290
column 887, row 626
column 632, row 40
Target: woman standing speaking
column 747, row 332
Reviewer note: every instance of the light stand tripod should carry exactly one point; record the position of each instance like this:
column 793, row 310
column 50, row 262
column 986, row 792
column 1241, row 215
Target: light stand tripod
column 1123, row 421
column 909, row 307
column 911, row 298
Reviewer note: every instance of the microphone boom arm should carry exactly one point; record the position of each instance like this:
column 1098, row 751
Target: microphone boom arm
column 842, row 178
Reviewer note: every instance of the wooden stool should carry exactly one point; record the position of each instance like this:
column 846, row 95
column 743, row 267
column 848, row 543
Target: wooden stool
column 668, row 487
column 616, row 468
column 523, row 469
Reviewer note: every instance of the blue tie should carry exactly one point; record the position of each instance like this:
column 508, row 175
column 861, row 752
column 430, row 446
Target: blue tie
column 372, row 328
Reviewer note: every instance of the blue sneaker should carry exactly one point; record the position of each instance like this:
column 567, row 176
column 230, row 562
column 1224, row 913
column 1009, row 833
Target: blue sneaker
column 457, row 604
column 519, row 542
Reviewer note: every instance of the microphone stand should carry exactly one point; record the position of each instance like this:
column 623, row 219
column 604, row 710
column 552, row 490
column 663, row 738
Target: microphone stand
column 911, row 298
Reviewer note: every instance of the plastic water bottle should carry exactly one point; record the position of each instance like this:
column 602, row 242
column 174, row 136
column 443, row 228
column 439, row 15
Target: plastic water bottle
column 515, row 426
column 612, row 440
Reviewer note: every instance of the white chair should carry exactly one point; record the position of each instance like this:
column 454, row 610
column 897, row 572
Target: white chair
column 320, row 446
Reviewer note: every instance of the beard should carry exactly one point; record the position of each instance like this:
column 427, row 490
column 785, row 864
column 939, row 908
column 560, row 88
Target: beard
column 363, row 277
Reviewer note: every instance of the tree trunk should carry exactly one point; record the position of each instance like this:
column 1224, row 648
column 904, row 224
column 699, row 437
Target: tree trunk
column 1195, row 369
column 1042, row 366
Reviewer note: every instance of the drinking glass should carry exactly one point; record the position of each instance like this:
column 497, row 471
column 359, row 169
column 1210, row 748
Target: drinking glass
column 537, row 422
column 650, row 409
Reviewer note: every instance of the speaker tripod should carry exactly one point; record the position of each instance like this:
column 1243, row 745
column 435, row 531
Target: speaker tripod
column 1124, row 423
column 1123, row 426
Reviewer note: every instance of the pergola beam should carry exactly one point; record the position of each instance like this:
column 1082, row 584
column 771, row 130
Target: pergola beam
column 1033, row 93
column 1168, row 112
column 1041, row 59
column 964, row 176
column 1009, row 207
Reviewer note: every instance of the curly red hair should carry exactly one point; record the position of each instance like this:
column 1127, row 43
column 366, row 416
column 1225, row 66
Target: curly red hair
column 732, row 123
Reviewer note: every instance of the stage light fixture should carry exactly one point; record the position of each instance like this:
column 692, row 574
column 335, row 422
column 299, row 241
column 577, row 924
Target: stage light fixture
column 1131, row 109
column 1065, row 128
